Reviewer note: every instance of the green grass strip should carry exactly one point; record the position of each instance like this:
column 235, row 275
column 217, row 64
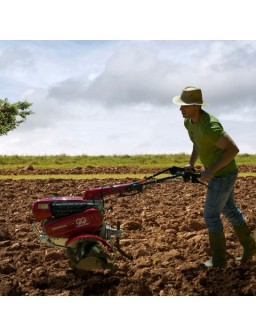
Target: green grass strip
column 143, row 160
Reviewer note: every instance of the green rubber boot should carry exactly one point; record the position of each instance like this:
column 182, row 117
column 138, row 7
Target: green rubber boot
column 245, row 238
column 218, row 248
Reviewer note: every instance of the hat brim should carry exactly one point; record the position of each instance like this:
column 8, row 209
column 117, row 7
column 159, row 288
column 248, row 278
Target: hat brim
column 177, row 100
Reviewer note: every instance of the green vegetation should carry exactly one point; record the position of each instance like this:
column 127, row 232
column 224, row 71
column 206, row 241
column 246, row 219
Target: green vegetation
column 65, row 161
column 143, row 161
column 246, row 159
column 12, row 115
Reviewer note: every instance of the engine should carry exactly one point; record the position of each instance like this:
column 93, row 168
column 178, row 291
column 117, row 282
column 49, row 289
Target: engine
column 65, row 217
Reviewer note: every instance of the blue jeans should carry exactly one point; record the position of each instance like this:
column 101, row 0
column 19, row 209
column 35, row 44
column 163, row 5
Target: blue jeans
column 220, row 199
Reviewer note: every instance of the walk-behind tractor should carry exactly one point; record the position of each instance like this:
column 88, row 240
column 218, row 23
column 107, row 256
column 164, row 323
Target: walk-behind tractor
column 77, row 224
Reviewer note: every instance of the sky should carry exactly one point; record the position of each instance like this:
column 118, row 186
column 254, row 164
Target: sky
column 104, row 97
column 106, row 87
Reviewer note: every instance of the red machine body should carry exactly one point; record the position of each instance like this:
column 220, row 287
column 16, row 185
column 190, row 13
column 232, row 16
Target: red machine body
column 98, row 193
column 87, row 221
column 76, row 224
column 64, row 217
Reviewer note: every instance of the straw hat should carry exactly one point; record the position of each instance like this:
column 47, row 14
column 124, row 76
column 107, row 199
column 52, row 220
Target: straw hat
column 190, row 96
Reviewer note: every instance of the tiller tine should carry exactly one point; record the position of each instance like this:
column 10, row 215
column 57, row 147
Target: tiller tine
column 96, row 259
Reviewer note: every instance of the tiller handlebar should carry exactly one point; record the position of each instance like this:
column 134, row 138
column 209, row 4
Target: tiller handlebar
column 98, row 193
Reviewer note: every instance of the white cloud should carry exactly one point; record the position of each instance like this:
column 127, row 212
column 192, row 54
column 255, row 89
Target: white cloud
column 114, row 97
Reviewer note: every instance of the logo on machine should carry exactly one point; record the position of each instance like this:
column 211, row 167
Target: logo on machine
column 81, row 222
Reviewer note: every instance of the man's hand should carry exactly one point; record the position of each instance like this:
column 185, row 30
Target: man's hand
column 188, row 168
column 206, row 175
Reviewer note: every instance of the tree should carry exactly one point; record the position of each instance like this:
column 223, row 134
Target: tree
column 12, row 115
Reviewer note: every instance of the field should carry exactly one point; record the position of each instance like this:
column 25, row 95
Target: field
column 162, row 227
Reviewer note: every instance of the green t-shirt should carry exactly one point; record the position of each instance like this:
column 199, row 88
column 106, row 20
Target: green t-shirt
column 204, row 135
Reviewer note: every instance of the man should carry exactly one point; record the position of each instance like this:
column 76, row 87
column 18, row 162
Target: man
column 217, row 152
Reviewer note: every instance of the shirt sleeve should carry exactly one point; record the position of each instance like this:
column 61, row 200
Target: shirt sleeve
column 214, row 131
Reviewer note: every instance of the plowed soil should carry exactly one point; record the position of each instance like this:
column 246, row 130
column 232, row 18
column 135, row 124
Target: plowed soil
column 163, row 229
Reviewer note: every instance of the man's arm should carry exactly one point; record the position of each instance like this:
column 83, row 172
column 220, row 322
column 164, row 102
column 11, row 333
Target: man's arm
column 193, row 157
column 192, row 160
column 229, row 151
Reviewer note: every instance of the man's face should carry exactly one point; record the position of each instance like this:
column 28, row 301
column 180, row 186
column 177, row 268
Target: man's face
column 189, row 111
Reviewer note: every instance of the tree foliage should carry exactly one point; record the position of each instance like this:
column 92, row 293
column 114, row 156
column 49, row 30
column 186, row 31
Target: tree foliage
column 13, row 114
